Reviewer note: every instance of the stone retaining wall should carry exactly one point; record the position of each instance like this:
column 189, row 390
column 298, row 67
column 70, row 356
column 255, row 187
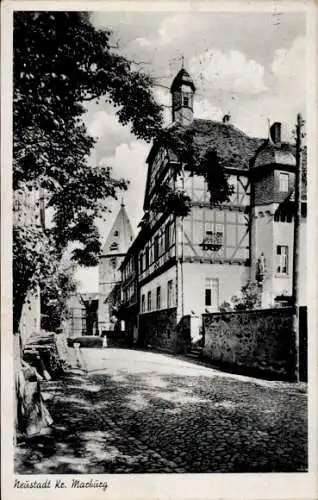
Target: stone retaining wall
column 158, row 329
column 258, row 340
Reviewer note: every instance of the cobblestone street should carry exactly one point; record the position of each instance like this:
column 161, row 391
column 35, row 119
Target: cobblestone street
column 129, row 411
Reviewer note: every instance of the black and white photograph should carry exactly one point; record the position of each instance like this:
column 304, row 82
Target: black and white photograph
column 162, row 261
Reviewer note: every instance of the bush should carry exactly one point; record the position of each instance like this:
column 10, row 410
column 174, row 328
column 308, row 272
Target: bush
column 250, row 298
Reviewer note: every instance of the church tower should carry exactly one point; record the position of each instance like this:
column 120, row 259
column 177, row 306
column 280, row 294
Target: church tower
column 118, row 241
column 182, row 91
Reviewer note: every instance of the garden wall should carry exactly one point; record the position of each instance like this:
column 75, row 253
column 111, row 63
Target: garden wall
column 157, row 329
column 258, row 341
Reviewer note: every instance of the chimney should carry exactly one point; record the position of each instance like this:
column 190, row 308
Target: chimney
column 226, row 118
column 275, row 133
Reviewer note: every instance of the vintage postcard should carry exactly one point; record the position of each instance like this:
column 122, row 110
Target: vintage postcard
column 159, row 250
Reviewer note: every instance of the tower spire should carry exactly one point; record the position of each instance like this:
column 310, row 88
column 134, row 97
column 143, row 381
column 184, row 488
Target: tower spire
column 182, row 90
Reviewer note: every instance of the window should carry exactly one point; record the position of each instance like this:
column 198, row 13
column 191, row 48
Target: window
column 283, row 216
column 116, row 233
column 213, row 236
column 160, row 244
column 212, row 293
column 282, row 259
column 156, row 248
column 169, row 293
column 158, row 298
column 214, row 229
column 147, row 257
column 149, row 305
column 283, row 182
column 167, row 237
column 186, row 101
column 144, row 260
column 149, row 301
column 208, row 228
column 143, row 303
column 113, row 246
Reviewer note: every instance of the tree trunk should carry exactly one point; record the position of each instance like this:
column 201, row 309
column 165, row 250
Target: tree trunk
column 17, row 312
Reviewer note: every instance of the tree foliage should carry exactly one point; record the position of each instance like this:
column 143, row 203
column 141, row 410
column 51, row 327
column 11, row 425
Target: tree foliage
column 218, row 186
column 183, row 145
column 54, row 294
column 175, row 202
column 61, row 61
column 249, row 299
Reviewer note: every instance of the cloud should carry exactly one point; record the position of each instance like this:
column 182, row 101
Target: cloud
column 286, row 94
column 102, row 123
column 288, row 67
column 231, row 71
column 205, row 110
column 129, row 161
column 163, row 97
column 174, row 27
column 143, row 42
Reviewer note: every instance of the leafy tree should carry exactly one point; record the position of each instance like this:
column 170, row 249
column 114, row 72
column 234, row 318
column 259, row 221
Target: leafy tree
column 61, row 61
column 54, row 295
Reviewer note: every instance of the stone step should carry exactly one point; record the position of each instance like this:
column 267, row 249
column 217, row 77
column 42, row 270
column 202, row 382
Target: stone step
column 195, row 352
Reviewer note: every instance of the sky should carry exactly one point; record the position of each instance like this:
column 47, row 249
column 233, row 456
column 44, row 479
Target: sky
column 251, row 65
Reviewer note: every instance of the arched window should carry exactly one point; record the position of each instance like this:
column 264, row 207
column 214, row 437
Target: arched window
column 186, row 100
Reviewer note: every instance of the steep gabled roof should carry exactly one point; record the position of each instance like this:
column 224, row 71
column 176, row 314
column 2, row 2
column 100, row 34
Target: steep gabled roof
column 235, row 149
column 120, row 236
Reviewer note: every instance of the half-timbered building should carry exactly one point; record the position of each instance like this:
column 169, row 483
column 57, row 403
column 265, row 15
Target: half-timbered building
column 188, row 265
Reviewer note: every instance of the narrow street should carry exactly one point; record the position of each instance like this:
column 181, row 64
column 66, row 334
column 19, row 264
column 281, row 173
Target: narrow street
column 130, row 411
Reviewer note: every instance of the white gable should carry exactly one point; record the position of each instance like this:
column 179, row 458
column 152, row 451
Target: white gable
column 120, row 236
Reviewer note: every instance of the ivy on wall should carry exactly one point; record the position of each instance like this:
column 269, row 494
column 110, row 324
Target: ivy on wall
column 176, row 202
column 183, row 146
